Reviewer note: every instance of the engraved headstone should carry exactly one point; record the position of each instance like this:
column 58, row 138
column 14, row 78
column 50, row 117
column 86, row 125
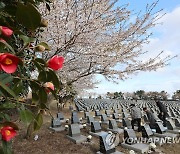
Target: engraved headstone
column 95, row 127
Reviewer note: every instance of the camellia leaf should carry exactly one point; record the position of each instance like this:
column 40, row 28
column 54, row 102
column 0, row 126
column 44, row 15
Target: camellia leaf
column 44, row 44
column 26, row 39
column 42, row 95
column 7, row 105
column 38, row 122
column 28, row 16
column 3, row 43
column 6, row 78
column 54, row 79
column 7, row 89
column 18, row 87
column 26, row 116
column 42, row 76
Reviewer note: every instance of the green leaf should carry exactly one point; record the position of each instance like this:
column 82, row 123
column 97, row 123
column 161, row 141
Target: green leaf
column 44, row 44
column 42, row 76
column 26, row 116
column 7, row 89
column 26, row 39
column 6, row 78
column 3, row 43
column 38, row 65
column 28, row 16
column 42, row 95
column 35, row 98
column 18, row 87
column 7, row 105
column 54, row 79
column 41, row 61
column 38, row 122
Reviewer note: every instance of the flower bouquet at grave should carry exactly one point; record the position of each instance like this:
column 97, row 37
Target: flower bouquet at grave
column 24, row 68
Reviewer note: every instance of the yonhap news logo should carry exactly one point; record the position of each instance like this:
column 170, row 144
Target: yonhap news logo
column 112, row 139
column 152, row 140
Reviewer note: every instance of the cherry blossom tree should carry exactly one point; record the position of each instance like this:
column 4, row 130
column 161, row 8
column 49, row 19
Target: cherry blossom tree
column 98, row 37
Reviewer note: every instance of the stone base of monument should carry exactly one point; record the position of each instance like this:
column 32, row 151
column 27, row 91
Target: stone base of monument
column 77, row 139
column 118, row 130
column 137, row 147
column 97, row 134
column 175, row 131
column 116, row 152
column 62, row 121
column 120, row 121
column 171, row 135
column 57, row 129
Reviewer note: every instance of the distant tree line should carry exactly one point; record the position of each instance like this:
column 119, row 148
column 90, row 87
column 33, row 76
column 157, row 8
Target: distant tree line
column 141, row 94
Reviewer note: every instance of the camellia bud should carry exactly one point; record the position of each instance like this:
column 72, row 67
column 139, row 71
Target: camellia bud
column 44, row 23
column 40, row 48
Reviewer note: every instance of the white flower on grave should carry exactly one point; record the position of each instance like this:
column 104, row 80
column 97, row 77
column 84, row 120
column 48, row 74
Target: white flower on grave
column 110, row 116
column 67, row 120
column 132, row 152
column 66, row 126
column 100, row 121
column 84, row 125
column 89, row 137
column 119, row 114
column 125, row 128
column 152, row 145
column 80, row 119
column 36, row 137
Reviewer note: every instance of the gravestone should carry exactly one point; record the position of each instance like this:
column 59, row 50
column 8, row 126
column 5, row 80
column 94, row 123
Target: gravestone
column 107, row 146
column 104, row 118
column 90, row 119
column 56, row 125
column 115, row 116
column 75, row 134
column 74, row 118
column 86, row 114
column 177, row 122
column 95, row 127
column 97, row 113
column 55, row 122
column 160, row 128
column 107, row 112
column 130, row 136
column 170, row 124
column 74, row 130
column 126, row 123
column 113, row 124
column 60, row 116
column 131, row 142
column 146, row 131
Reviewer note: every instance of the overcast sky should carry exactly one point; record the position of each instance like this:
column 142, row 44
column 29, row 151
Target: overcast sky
column 167, row 38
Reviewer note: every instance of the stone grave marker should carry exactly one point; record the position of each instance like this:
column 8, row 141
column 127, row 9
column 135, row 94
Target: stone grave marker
column 90, row 119
column 126, row 123
column 75, row 134
column 60, row 116
column 95, row 127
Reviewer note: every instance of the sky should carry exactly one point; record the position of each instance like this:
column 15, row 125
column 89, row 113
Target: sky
column 166, row 38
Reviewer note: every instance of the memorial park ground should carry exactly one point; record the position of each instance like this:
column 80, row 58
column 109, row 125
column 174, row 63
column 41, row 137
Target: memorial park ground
column 50, row 142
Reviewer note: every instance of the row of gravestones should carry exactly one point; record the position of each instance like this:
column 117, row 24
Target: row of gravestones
column 75, row 135
column 94, row 104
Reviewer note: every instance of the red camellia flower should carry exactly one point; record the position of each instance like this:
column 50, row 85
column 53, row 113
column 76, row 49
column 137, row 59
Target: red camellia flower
column 7, row 133
column 8, row 62
column 56, row 62
column 49, row 85
column 6, row 31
